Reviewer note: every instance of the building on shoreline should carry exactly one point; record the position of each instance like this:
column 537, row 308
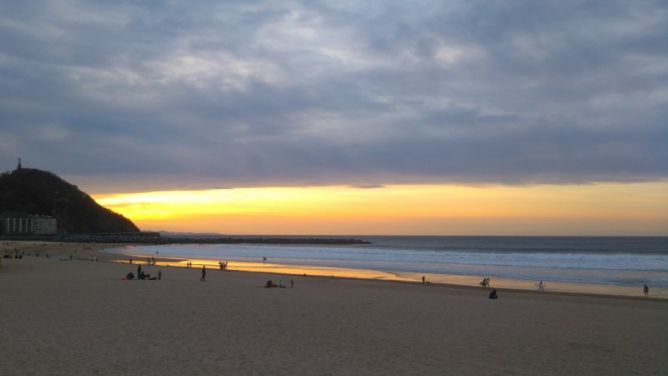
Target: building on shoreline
column 26, row 224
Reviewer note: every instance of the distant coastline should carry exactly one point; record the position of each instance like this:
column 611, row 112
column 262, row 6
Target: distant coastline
column 156, row 238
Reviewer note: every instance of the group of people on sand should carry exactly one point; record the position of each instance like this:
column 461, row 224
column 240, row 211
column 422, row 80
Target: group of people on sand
column 486, row 283
column 17, row 254
column 143, row 275
column 271, row 284
column 151, row 261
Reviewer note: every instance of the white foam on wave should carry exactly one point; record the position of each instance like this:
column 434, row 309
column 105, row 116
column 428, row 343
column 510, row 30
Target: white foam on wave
column 598, row 268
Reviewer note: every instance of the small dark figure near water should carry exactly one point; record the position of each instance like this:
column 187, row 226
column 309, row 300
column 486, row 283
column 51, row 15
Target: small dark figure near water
column 138, row 269
column 203, row 278
column 292, row 283
column 130, row 276
column 159, row 275
column 484, row 282
column 493, row 295
column 264, row 259
column 130, row 261
column 424, row 280
column 645, row 290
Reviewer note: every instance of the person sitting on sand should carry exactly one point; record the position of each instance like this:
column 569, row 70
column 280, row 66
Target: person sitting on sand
column 493, row 295
column 130, row 276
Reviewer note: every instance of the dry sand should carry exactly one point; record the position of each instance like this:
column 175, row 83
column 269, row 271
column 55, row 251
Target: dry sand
column 80, row 318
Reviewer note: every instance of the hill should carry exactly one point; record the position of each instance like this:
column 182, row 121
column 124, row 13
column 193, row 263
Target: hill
column 35, row 191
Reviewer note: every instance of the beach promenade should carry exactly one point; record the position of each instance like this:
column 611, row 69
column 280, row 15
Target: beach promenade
column 62, row 317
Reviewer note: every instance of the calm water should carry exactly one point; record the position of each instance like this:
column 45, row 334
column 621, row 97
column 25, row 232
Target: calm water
column 621, row 261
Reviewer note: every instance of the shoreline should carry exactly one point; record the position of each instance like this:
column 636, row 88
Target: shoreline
column 102, row 252
column 433, row 279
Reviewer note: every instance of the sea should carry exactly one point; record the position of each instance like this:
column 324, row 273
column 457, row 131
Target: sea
column 611, row 261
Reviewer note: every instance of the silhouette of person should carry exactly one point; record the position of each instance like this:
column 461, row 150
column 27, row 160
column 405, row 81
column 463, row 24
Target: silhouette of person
column 159, row 275
column 203, row 273
column 424, row 280
column 645, row 290
column 493, row 295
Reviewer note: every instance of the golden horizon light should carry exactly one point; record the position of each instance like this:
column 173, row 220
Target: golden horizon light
column 593, row 209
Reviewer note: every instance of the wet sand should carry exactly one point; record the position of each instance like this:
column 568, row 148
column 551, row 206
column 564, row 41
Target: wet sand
column 122, row 254
column 80, row 317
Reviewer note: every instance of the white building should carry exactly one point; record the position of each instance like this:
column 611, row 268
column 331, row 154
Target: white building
column 26, row 224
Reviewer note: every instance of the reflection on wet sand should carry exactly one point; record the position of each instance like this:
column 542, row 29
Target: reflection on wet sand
column 431, row 278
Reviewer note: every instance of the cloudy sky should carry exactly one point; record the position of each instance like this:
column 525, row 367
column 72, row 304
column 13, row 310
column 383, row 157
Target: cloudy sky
column 129, row 96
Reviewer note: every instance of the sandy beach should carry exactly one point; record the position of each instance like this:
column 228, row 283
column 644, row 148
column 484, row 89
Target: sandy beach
column 62, row 317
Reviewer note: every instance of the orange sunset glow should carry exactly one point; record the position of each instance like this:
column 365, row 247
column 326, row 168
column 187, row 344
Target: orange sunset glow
column 603, row 209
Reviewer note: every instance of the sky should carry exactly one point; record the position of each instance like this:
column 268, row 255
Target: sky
column 208, row 115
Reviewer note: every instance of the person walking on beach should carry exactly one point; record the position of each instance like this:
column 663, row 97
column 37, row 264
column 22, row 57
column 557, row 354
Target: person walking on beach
column 203, row 273
column 424, row 280
column 645, row 290
column 541, row 286
column 159, row 275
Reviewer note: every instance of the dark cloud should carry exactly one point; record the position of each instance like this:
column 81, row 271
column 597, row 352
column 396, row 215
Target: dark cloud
column 136, row 95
